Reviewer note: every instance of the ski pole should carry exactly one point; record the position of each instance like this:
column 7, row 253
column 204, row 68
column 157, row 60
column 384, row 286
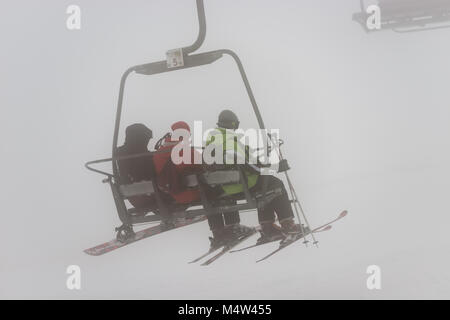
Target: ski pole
column 291, row 186
column 295, row 198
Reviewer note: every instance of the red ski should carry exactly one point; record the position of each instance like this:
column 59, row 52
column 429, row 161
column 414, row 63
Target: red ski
column 146, row 233
column 274, row 240
column 287, row 242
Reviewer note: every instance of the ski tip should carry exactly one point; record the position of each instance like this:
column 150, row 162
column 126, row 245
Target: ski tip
column 91, row 253
column 343, row 213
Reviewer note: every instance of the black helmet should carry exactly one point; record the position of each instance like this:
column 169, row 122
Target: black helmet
column 138, row 135
column 228, row 120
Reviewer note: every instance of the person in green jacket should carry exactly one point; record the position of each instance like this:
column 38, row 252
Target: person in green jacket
column 227, row 225
column 233, row 149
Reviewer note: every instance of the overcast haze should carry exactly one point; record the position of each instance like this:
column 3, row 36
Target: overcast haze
column 365, row 118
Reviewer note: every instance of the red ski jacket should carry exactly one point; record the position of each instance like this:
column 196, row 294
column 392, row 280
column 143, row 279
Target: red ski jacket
column 169, row 176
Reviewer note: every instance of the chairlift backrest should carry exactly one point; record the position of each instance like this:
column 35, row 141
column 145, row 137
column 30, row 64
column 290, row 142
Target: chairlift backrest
column 137, row 189
column 221, row 177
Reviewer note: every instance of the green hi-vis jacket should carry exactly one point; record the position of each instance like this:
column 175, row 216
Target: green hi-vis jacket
column 231, row 143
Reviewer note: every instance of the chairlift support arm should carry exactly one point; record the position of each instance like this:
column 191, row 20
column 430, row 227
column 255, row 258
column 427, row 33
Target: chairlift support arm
column 202, row 29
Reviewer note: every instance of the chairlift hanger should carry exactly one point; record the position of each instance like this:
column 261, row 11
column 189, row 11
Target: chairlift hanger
column 406, row 16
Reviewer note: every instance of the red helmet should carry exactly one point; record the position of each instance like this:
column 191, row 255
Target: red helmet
column 181, row 125
column 177, row 125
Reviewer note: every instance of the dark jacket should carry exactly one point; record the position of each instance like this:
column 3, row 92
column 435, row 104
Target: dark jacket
column 137, row 137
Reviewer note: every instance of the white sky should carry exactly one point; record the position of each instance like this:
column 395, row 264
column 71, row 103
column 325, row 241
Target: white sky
column 365, row 119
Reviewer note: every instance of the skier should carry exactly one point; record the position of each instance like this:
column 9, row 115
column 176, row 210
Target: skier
column 170, row 175
column 137, row 137
column 227, row 123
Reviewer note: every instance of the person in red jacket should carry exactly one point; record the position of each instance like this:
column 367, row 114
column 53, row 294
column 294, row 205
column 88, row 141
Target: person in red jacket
column 170, row 180
column 170, row 175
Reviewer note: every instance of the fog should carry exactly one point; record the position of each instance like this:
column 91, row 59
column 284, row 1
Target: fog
column 365, row 118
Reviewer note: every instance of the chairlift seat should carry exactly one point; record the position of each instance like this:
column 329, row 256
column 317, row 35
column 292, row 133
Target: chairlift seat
column 137, row 189
column 221, row 177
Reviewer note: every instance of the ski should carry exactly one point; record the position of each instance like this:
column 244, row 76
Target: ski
column 211, row 250
column 324, row 229
column 274, row 240
column 228, row 247
column 288, row 242
column 257, row 245
column 142, row 234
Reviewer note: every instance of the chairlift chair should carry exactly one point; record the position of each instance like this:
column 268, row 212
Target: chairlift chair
column 179, row 59
column 408, row 15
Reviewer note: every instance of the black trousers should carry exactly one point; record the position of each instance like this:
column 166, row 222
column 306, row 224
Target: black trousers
column 281, row 205
column 219, row 221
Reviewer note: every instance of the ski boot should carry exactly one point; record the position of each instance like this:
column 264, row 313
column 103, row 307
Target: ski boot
column 125, row 233
column 269, row 232
column 167, row 224
column 219, row 238
column 288, row 226
column 223, row 236
column 292, row 230
column 235, row 231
